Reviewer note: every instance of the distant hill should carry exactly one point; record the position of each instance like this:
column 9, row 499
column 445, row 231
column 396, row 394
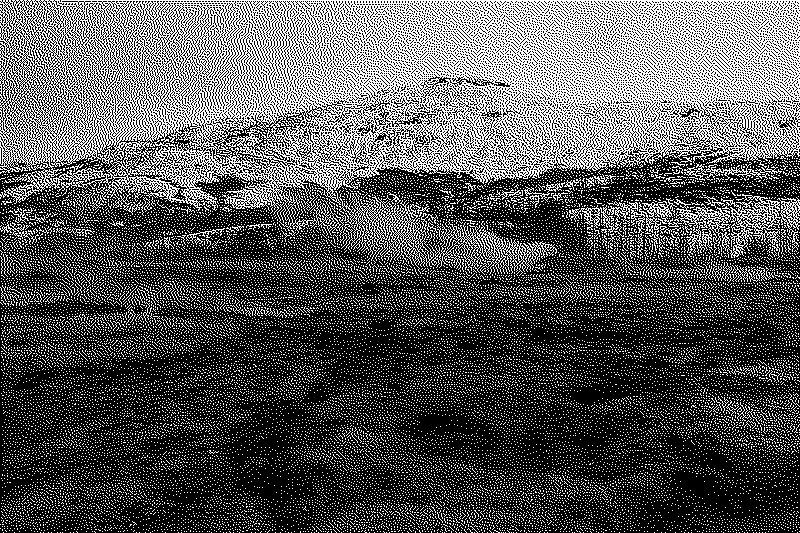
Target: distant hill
column 581, row 176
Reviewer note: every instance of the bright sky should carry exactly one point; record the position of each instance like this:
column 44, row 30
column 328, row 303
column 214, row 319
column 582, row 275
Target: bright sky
column 79, row 77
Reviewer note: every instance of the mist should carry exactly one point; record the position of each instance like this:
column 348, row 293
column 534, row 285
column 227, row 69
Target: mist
column 384, row 231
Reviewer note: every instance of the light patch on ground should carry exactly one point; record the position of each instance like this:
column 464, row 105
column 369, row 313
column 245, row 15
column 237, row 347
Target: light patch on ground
column 769, row 423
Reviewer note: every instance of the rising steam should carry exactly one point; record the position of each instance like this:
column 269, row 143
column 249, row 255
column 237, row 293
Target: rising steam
column 379, row 230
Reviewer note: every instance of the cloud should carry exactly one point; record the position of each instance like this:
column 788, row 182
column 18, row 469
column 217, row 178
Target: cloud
column 354, row 222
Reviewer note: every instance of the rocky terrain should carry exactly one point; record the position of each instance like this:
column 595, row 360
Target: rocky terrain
column 297, row 395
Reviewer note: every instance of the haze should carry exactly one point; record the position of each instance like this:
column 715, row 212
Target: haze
column 77, row 78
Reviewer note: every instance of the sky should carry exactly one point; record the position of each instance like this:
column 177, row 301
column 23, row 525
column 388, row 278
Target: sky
column 77, row 78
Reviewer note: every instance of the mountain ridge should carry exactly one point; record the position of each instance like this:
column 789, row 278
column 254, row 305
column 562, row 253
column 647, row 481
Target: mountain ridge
column 500, row 152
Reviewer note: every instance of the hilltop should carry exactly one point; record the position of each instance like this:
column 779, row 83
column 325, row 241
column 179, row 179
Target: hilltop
column 448, row 149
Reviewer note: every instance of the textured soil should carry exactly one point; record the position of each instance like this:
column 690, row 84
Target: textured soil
column 330, row 395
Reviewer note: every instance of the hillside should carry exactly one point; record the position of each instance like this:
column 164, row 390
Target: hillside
column 725, row 174
column 324, row 322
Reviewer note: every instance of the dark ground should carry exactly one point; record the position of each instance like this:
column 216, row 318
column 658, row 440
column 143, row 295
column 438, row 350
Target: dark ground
column 332, row 396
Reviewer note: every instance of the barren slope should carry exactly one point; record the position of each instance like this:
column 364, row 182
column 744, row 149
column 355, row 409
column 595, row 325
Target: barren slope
column 454, row 148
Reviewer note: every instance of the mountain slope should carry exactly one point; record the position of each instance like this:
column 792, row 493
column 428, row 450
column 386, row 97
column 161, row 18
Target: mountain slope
column 458, row 149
